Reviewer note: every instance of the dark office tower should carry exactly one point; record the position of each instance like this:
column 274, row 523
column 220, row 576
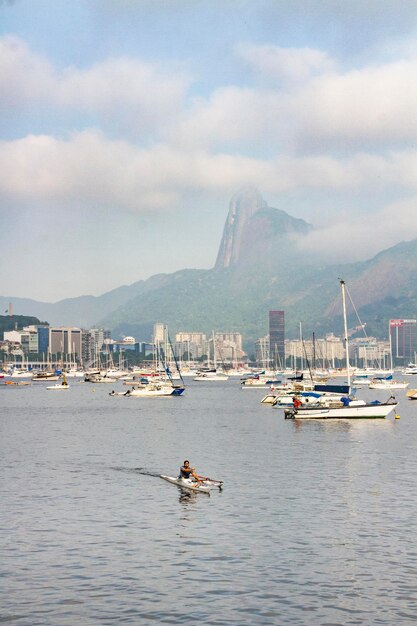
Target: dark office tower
column 277, row 338
column 403, row 338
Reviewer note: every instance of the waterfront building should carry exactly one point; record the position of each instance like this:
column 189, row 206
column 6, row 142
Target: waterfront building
column 370, row 352
column 126, row 344
column 65, row 341
column 228, row 347
column 320, row 353
column 43, row 339
column 160, row 334
column 27, row 338
column 403, row 338
column 277, row 338
column 14, row 336
column 93, row 343
column 190, row 345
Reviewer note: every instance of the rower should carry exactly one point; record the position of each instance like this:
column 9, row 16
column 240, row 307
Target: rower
column 187, row 472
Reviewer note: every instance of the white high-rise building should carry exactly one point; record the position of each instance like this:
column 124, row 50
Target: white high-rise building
column 160, row 333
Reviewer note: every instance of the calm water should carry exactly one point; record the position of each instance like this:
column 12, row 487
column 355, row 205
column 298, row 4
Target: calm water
column 317, row 523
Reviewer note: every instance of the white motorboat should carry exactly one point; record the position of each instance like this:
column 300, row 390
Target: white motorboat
column 75, row 373
column 256, row 383
column 98, row 377
column 21, row 373
column 269, row 398
column 60, row 387
column 211, row 376
column 153, row 390
column 387, row 384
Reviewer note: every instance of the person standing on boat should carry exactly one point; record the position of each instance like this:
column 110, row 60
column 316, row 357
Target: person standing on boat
column 296, row 402
column 187, row 472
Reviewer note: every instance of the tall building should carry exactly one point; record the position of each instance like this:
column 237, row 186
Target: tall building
column 277, row 338
column 160, row 333
column 65, row 341
column 403, row 338
column 43, row 340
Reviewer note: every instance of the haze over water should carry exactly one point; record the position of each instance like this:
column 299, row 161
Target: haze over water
column 316, row 523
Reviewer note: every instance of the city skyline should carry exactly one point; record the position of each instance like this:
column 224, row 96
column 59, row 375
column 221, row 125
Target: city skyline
column 126, row 128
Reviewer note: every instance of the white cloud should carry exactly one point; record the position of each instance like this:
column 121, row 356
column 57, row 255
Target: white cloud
column 89, row 169
column 373, row 105
column 127, row 95
column 344, row 240
column 25, row 77
column 319, row 107
column 321, row 131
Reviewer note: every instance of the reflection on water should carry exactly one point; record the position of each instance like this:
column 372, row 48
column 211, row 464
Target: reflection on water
column 188, row 498
column 316, row 523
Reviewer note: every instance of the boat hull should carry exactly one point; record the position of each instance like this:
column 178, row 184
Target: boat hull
column 58, row 387
column 366, row 411
column 185, row 483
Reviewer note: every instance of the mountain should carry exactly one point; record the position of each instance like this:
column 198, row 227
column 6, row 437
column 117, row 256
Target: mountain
column 84, row 311
column 251, row 231
column 258, row 268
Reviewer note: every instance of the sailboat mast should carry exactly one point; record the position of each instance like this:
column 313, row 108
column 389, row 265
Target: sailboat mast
column 342, row 285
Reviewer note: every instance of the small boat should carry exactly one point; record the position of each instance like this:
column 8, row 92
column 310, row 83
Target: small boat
column 210, row 376
column 269, row 398
column 387, row 384
column 20, row 383
column 98, row 377
column 60, row 387
column 412, row 394
column 46, row 375
column 186, row 483
column 152, row 390
column 21, row 373
column 256, row 382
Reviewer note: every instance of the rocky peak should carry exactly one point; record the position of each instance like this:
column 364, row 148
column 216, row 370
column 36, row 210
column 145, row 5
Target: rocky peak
column 243, row 205
column 254, row 231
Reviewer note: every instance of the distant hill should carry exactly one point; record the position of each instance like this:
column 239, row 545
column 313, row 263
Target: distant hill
column 13, row 322
column 258, row 268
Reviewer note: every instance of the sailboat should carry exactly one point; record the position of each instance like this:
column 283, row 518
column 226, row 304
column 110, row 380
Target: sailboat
column 346, row 409
column 157, row 388
column 211, row 374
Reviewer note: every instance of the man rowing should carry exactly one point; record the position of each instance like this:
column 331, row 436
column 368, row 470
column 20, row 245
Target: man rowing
column 187, row 472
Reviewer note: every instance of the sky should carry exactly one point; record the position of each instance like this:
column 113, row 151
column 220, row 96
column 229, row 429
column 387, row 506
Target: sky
column 127, row 125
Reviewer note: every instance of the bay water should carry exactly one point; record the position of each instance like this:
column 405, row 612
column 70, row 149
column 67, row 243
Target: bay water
column 316, row 523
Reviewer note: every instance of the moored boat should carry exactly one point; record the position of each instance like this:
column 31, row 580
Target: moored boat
column 152, row 390
column 356, row 409
column 351, row 408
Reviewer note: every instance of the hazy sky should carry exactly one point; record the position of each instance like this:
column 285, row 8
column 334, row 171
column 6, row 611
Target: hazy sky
column 127, row 125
